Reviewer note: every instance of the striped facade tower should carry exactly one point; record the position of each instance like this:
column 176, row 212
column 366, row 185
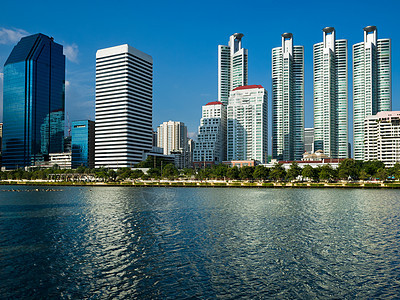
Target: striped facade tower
column 124, row 106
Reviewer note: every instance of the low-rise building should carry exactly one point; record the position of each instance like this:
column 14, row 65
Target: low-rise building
column 63, row 160
column 241, row 163
column 333, row 162
column 382, row 137
column 317, row 155
column 82, row 143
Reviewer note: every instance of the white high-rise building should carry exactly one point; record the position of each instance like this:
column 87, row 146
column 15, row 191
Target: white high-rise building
column 172, row 136
column 124, row 106
column 372, row 83
column 247, row 124
column 232, row 67
column 382, row 137
column 309, row 140
column 331, row 95
column 288, row 100
column 210, row 147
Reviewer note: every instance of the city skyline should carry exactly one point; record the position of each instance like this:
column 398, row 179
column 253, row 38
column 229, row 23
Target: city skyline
column 178, row 96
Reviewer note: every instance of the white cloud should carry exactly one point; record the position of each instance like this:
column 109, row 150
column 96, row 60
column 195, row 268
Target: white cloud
column 192, row 135
column 71, row 52
column 11, row 36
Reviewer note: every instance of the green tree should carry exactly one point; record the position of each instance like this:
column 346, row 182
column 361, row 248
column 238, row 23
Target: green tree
column 154, row 173
column 203, row 173
column 348, row 168
column 219, row 171
column 394, row 172
column 372, row 166
column 246, row 173
column 261, row 173
column 80, row 169
column 309, row 173
column 170, row 171
column 294, row 171
column 363, row 175
column 188, row 172
column 278, row 172
column 381, row 174
column 233, row 173
column 112, row 175
column 151, row 162
column 123, row 173
column 327, row 173
column 135, row 174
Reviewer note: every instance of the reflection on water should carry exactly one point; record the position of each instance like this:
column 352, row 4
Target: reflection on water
column 170, row 242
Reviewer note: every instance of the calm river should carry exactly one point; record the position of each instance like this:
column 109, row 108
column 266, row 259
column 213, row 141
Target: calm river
column 119, row 242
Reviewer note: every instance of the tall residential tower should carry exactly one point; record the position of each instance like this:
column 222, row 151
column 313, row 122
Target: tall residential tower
column 331, row 95
column 172, row 136
column 232, row 67
column 247, row 124
column 33, row 102
column 288, row 100
column 372, row 83
column 124, row 106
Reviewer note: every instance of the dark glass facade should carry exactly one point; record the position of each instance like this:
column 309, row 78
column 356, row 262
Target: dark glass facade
column 82, row 143
column 33, row 101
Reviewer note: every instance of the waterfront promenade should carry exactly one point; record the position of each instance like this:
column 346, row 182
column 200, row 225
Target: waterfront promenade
column 210, row 183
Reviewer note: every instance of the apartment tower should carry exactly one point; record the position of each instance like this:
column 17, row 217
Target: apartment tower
column 331, row 95
column 372, row 83
column 124, row 106
column 288, row 100
column 247, row 124
column 232, row 67
column 382, row 137
column 210, row 147
column 172, row 136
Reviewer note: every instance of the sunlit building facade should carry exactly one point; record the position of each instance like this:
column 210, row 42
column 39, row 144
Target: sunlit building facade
column 372, row 83
column 331, row 95
column 287, row 100
column 124, row 106
column 210, row 147
column 232, row 67
column 247, row 124
column 382, row 137
column 33, row 101
column 309, row 140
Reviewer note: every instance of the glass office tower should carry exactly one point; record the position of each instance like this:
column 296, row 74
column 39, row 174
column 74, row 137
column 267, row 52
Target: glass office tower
column 82, row 144
column 33, row 101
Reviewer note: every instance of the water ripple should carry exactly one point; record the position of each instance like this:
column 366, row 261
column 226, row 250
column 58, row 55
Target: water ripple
column 172, row 243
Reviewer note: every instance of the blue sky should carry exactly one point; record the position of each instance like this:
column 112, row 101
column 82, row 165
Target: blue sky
column 182, row 38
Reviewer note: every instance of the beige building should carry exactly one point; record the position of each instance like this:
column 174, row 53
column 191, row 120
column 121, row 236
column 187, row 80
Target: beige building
column 382, row 137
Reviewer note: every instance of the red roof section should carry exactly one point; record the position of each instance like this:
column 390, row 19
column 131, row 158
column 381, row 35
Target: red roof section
column 245, row 87
column 214, row 103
